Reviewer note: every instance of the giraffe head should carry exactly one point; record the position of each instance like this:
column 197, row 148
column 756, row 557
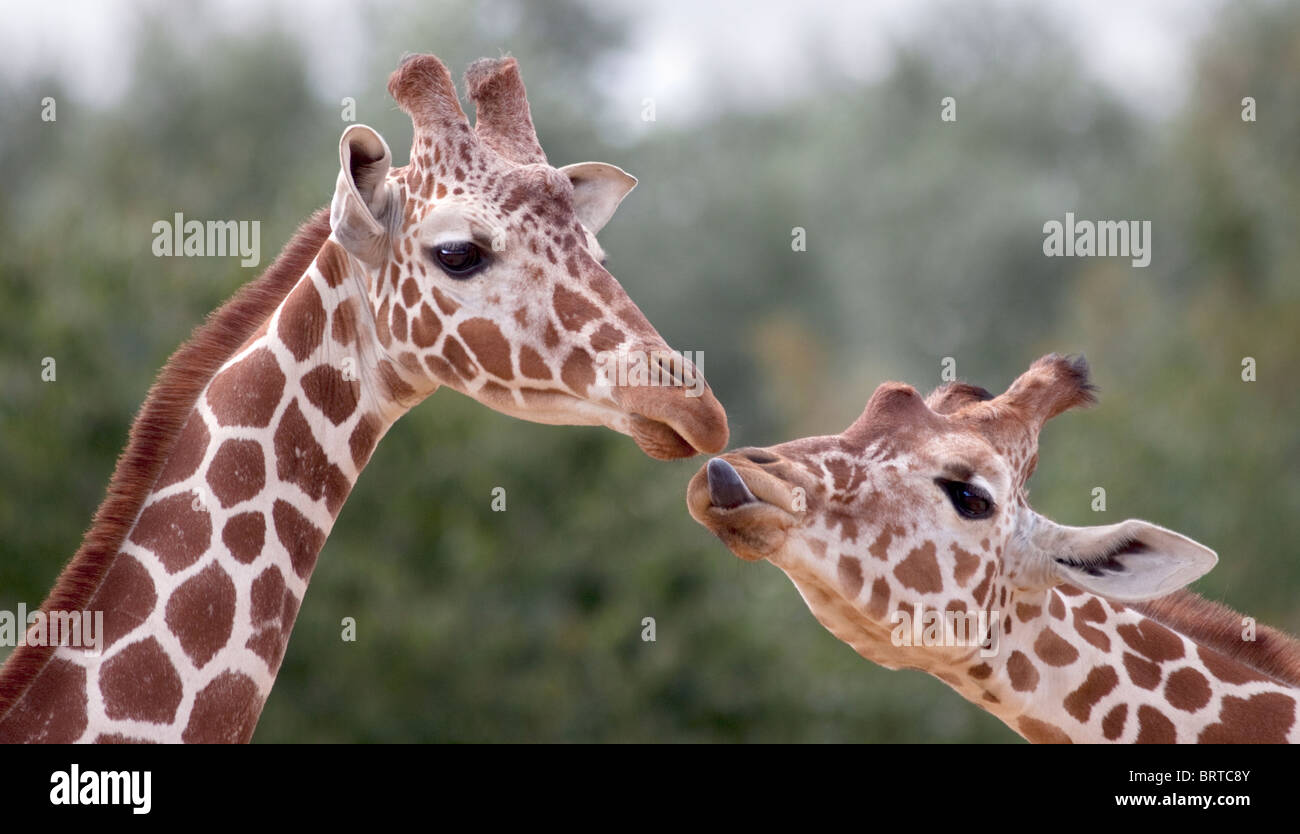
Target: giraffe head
column 920, row 506
column 483, row 273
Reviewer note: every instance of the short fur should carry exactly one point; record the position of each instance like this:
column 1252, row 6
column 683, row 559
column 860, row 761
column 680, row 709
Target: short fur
column 1218, row 627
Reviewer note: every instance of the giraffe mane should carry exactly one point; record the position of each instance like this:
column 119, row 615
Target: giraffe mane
column 1218, row 627
column 153, row 435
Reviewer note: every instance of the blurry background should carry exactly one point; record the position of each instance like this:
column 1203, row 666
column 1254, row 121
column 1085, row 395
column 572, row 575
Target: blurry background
column 924, row 242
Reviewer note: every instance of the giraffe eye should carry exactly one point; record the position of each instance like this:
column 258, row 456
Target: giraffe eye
column 967, row 499
column 459, row 258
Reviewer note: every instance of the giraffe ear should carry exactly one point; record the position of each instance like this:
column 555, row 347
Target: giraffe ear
column 598, row 188
column 1126, row 562
column 360, row 207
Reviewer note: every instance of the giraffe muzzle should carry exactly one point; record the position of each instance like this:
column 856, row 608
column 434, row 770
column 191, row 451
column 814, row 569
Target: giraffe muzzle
column 668, row 423
column 745, row 507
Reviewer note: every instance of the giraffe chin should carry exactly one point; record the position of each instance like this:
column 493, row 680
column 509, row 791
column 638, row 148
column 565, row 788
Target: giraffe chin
column 659, row 440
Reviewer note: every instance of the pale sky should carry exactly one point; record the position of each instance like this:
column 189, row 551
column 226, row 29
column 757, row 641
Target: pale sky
column 1139, row 47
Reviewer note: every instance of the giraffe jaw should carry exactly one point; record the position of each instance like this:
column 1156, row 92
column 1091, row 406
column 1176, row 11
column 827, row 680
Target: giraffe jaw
column 660, row 438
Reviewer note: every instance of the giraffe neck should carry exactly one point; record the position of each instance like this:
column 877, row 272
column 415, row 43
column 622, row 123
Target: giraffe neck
column 1072, row 667
column 200, row 600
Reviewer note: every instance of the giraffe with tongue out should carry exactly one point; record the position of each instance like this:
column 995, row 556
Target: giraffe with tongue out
column 910, row 537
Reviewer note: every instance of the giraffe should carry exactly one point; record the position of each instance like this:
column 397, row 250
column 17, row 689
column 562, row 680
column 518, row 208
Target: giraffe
column 910, row 537
column 474, row 267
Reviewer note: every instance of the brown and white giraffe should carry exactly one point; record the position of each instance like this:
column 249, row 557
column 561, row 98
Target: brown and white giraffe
column 473, row 267
column 917, row 514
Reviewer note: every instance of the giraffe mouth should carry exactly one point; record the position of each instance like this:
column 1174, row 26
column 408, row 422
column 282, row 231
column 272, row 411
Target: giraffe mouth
column 748, row 514
column 660, row 440
column 668, row 424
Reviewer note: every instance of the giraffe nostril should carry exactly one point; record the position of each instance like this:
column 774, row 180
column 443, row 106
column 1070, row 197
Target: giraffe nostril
column 760, row 456
column 726, row 489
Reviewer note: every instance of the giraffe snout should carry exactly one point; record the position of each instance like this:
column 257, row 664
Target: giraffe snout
column 675, row 413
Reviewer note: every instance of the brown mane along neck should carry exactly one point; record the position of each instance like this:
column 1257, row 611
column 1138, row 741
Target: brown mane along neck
column 1219, row 628
column 154, row 433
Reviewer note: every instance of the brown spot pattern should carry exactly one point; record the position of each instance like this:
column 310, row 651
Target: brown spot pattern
column 920, row 570
column 187, row 454
column 578, row 372
column 1152, row 640
column 1095, row 637
column 54, row 709
column 1101, row 681
column 1024, row 677
column 850, row 572
column 365, row 434
column 1154, row 728
column 1025, row 613
column 573, row 309
column 201, row 613
column 491, row 349
column 1226, row 669
column 964, row 565
column 237, row 472
column 532, row 365
column 398, row 322
column 301, row 460
column 981, row 591
column 878, row 604
column 302, row 539
column 392, row 386
column 140, row 683
column 1143, row 673
column 127, row 597
column 302, row 320
column 225, row 711
column 425, row 327
column 1187, row 689
column 410, row 292
column 327, row 389
column 332, row 261
column 344, row 325
column 606, row 338
column 1262, row 719
column 880, row 547
column 247, row 393
column 1040, row 732
column 1112, row 726
column 1053, row 650
column 174, row 531
column 244, row 535
column 458, row 358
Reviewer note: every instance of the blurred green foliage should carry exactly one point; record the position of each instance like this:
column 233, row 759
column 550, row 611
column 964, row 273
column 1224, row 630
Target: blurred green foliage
column 924, row 241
